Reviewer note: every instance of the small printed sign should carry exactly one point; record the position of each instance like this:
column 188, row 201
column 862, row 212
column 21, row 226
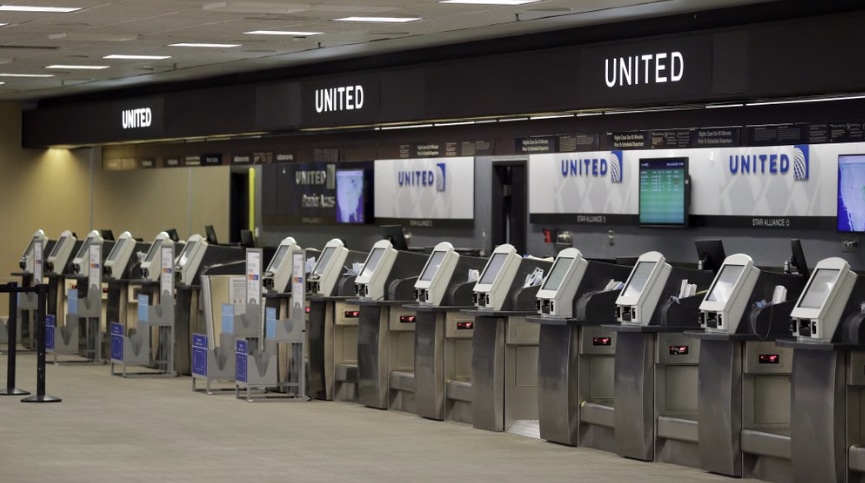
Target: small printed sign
column 199, row 355
column 117, row 337
column 240, row 354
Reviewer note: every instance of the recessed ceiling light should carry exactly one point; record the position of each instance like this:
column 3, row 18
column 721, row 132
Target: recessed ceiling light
column 25, row 8
column 491, row 2
column 204, row 45
column 92, row 37
column 136, row 57
column 378, row 19
column 6, row 74
column 282, row 32
column 2, row 24
column 1, row 83
column 77, row 67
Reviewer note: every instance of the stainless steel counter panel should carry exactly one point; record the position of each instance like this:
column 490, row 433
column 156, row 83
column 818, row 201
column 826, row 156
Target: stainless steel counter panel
column 430, row 365
column 558, row 398
column 372, row 356
column 634, row 389
column 719, row 408
column 488, row 373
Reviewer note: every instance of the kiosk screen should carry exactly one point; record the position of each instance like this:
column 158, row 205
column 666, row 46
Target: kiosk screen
column 638, row 279
column 57, row 246
column 322, row 262
column 557, row 273
column 725, row 282
column 117, row 250
column 184, row 255
column 821, row 285
column 154, row 249
column 277, row 258
column 372, row 262
column 493, row 268
column 82, row 252
column 432, row 267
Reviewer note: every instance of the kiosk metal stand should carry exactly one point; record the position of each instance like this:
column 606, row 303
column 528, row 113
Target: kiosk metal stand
column 83, row 317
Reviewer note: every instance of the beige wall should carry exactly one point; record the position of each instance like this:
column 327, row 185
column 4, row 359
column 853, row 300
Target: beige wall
column 51, row 190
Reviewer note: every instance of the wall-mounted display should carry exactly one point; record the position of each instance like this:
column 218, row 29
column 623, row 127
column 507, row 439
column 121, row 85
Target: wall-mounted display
column 851, row 193
column 664, row 192
column 353, row 196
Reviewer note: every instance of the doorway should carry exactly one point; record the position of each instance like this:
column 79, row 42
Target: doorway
column 510, row 204
column 238, row 218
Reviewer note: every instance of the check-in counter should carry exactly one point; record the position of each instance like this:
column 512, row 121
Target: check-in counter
column 27, row 302
column 504, row 378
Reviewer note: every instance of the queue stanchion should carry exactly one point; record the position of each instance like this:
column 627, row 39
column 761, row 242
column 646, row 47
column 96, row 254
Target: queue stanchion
column 11, row 353
column 40, row 396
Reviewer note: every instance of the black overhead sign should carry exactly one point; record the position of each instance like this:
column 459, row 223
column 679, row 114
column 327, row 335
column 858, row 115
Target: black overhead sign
column 340, row 101
column 643, row 71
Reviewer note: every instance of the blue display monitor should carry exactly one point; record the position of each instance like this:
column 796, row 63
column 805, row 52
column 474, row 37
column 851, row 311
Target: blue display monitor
column 664, row 190
column 851, row 193
column 351, row 197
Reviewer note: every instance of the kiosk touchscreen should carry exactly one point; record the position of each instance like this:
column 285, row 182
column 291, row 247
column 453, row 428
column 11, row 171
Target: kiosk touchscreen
column 642, row 290
column 491, row 290
column 328, row 268
column 370, row 281
column 819, row 310
column 189, row 260
column 81, row 262
column 556, row 295
column 728, row 297
column 433, row 281
column 59, row 255
column 150, row 266
column 26, row 262
column 278, row 274
column 118, row 257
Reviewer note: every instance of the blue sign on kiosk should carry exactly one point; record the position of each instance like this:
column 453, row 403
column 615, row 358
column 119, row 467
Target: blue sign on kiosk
column 270, row 322
column 116, row 342
column 241, row 353
column 199, row 355
column 143, row 303
column 72, row 302
column 50, row 325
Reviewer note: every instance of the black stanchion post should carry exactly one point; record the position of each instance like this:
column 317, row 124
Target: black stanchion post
column 12, row 333
column 40, row 396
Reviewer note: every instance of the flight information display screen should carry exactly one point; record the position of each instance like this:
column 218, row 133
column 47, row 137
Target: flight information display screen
column 664, row 192
column 851, row 193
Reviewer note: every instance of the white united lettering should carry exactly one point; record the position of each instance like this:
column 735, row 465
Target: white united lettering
column 344, row 98
column 136, row 118
column 634, row 70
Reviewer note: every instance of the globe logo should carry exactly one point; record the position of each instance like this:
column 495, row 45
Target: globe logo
column 801, row 164
column 616, row 167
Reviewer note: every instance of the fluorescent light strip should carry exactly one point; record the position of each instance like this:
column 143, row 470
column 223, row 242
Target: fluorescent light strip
column 723, row 106
column 25, row 75
column 512, row 119
column 204, row 45
column 491, row 2
column 3, row 24
column 551, row 116
column 455, row 123
column 1, row 83
column 77, row 67
column 412, row 126
column 588, row 114
column 805, row 101
column 25, row 8
column 283, row 32
column 378, row 19
column 136, row 57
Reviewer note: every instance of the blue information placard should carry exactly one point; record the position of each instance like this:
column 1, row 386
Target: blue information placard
column 199, row 355
column 270, row 322
column 240, row 354
column 72, row 302
column 117, row 337
column 50, row 325
column 143, row 305
column 227, row 318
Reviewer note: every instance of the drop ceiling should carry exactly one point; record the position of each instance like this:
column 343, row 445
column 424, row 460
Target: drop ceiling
column 30, row 42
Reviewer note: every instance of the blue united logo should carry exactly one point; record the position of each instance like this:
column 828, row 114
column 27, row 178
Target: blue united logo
column 801, row 162
column 616, row 167
column 441, row 176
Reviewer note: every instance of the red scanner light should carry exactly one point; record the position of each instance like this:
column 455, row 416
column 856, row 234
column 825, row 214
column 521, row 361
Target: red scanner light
column 768, row 358
column 678, row 350
column 352, row 314
column 307, row 309
column 602, row 340
column 406, row 319
column 465, row 325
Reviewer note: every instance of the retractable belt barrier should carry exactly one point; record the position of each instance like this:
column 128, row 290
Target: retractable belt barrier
column 41, row 292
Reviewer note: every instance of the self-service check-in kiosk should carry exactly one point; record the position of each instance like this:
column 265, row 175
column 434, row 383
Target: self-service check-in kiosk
column 28, row 274
column 81, row 333
column 57, row 266
column 385, row 338
column 575, row 367
column 504, row 346
column 656, row 365
column 827, row 410
column 743, row 393
column 195, row 256
column 443, row 335
column 120, row 270
column 333, row 324
column 150, row 340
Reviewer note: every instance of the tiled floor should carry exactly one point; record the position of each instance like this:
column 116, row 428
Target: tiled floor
column 109, row 429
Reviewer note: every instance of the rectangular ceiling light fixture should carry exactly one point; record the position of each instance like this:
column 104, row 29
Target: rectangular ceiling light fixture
column 77, row 67
column 136, row 57
column 378, row 19
column 256, row 7
column 7, row 74
column 283, row 32
column 204, row 45
column 25, row 8
column 2, row 24
column 491, row 2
